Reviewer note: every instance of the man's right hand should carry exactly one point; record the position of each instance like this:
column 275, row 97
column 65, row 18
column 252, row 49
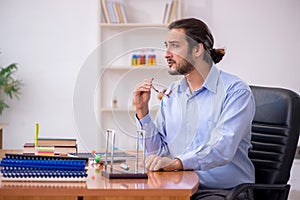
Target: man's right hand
column 141, row 97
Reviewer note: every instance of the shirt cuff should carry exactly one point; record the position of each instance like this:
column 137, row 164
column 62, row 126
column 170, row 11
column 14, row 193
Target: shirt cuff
column 143, row 123
column 189, row 162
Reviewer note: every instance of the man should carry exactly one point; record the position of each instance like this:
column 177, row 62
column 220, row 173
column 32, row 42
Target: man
column 204, row 121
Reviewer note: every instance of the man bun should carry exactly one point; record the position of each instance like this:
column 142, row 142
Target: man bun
column 217, row 54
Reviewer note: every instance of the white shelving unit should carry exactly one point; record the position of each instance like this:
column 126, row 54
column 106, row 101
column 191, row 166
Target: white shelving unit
column 118, row 78
column 131, row 25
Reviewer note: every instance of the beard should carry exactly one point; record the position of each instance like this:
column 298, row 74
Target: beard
column 183, row 68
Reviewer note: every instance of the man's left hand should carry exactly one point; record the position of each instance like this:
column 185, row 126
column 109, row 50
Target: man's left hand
column 156, row 163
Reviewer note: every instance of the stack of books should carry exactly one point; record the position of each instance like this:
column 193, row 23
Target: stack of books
column 51, row 146
column 170, row 12
column 113, row 12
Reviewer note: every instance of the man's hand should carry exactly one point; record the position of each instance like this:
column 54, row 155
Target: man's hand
column 156, row 163
column 141, row 97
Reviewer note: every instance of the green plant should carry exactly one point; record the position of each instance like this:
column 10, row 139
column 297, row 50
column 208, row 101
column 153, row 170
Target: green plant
column 9, row 86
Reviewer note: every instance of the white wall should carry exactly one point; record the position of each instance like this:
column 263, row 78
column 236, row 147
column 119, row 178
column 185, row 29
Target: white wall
column 51, row 40
column 261, row 38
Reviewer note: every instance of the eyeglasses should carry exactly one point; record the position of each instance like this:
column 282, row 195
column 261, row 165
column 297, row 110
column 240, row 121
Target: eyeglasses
column 162, row 92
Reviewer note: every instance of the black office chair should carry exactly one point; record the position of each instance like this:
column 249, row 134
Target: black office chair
column 275, row 133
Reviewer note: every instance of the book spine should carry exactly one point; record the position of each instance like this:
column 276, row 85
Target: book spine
column 111, row 12
column 166, row 13
column 44, row 142
column 118, row 11
column 123, row 13
column 105, row 11
column 172, row 11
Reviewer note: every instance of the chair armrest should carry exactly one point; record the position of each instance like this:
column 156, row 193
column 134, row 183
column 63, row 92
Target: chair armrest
column 285, row 188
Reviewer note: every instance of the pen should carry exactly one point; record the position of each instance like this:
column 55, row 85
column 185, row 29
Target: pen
column 36, row 134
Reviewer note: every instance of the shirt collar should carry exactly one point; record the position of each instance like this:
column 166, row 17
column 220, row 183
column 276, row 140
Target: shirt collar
column 212, row 79
column 210, row 82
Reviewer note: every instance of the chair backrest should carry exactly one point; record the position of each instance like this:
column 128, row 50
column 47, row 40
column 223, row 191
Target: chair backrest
column 275, row 133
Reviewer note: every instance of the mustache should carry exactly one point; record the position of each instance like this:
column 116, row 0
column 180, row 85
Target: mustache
column 171, row 60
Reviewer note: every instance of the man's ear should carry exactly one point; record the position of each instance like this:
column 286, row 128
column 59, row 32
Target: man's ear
column 198, row 50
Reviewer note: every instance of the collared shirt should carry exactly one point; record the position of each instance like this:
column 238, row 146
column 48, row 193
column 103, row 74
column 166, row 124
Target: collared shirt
column 209, row 130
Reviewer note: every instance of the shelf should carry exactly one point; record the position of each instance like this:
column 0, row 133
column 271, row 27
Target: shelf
column 119, row 109
column 125, row 109
column 143, row 35
column 132, row 25
column 141, row 67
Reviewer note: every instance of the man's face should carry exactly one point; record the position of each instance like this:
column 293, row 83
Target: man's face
column 180, row 61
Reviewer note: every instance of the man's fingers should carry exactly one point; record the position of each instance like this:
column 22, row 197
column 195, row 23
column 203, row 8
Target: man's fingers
column 152, row 163
column 148, row 162
column 155, row 165
column 158, row 166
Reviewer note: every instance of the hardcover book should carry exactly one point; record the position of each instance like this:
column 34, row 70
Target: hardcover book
column 56, row 142
column 29, row 148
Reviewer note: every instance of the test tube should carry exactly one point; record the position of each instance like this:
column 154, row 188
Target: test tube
column 143, row 135
column 108, row 132
column 106, row 149
column 112, row 150
column 137, row 146
column 140, row 135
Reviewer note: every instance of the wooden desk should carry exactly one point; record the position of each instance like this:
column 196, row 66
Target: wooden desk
column 158, row 186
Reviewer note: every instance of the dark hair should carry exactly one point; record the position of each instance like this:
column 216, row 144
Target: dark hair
column 198, row 32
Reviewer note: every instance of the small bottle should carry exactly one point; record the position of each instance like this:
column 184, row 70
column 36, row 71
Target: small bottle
column 138, row 58
column 115, row 103
column 134, row 60
column 143, row 59
column 154, row 59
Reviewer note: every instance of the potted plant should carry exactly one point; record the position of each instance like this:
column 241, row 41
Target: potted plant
column 9, row 86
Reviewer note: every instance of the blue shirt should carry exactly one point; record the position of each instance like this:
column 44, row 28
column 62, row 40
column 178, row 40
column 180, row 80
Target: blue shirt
column 209, row 130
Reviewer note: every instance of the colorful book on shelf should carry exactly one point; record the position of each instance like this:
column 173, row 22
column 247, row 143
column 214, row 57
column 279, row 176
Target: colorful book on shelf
column 111, row 12
column 117, row 8
column 105, row 11
column 172, row 12
column 123, row 13
column 18, row 167
column 166, row 13
column 56, row 142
